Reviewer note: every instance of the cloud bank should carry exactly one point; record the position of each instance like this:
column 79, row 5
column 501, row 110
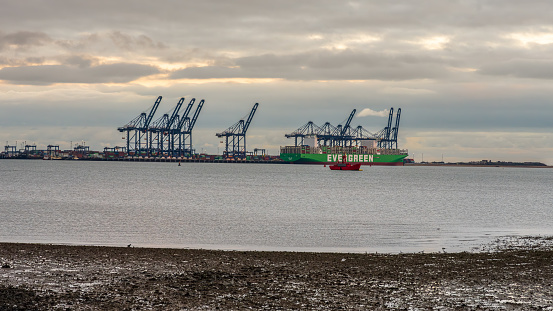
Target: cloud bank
column 369, row 112
column 465, row 66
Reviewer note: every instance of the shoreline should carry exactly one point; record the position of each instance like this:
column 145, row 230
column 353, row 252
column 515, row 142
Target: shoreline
column 477, row 165
column 514, row 273
column 174, row 160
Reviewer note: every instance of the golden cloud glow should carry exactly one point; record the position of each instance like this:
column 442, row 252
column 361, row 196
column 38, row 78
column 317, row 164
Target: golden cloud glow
column 528, row 38
column 406, row 91
column 315, row 37
column 350, row 41
column 162, row 80
column 433, row 43
column 462, row 69
column 153, row 61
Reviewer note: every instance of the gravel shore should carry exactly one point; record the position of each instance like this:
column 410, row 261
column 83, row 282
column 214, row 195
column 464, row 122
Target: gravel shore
column 507, row 276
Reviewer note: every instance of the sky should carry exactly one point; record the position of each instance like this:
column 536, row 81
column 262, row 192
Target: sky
column 474, row 79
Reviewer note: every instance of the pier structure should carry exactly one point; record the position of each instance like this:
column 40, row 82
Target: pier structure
column 81, row 151
column 114, row 152
column 10, row 151
column 53, row 151
column 30, row 149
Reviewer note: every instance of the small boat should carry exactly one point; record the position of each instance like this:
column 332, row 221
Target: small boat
column 346, row 167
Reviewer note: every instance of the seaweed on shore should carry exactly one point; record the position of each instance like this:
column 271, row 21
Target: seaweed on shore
column 519, row 243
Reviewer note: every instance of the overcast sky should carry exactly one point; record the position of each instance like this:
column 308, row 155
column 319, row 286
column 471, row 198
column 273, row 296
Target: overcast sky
column 474, row 79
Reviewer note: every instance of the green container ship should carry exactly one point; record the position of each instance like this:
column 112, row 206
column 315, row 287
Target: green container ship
column 330, row 155
column 345, row 145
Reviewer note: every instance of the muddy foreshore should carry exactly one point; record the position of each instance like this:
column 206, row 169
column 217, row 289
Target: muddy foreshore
column 507, row 276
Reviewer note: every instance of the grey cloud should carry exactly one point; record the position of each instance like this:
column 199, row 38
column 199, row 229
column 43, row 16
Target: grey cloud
column 521, row 68
column 34, row 60
column 21, row 62
column 82, row 42
column 79, row 61
column 105, row 41
column 315, row 14
column 44, row 75
column 324, row 65
column 128, row 42
column 264, row 25
column 23, row 39
column 290, row 40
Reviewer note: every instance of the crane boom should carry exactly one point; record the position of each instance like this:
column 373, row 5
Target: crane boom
column 346, row 126
column 389, row 127
column 398, row 115
column 196, row 114
column 247, row 124
column 175, row 113
column 152, row 112
column 396, row 128
column 185, row 114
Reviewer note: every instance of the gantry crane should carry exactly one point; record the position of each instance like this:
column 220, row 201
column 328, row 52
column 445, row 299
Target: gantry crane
column 235, row 136
column 175, row 132
column 159, row 131
column 388, row 136
column 184, row 128
column 309, row 129
column 345, row 135
column 155, row 135
column 137, row 131
column 345, row 138
column 360, row 133
column 327, row 135
column 393, row 142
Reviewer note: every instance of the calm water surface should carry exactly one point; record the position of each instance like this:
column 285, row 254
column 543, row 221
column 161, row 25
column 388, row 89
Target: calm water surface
column 271, row 207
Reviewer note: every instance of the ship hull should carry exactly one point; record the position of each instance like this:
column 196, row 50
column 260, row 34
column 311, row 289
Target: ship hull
column 346, row 167
column 363, row 159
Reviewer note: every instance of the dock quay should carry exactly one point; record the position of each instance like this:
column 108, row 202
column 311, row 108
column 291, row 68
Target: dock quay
column 193, row 160
column 101, row 157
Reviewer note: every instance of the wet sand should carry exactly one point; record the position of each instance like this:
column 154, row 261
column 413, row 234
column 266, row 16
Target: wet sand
column 515, row 274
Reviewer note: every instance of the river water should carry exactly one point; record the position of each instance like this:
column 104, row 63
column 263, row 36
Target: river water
column 271, row 207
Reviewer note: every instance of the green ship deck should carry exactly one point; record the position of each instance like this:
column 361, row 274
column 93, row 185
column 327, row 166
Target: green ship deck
column 329, row 155
column 365, row 159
